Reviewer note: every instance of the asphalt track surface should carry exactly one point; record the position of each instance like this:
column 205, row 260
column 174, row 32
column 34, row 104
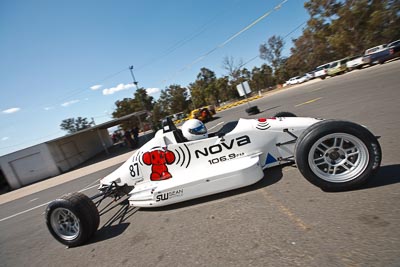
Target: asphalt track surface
column 281, row 221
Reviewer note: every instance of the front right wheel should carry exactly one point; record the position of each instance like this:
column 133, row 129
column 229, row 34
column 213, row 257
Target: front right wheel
column 337, row 155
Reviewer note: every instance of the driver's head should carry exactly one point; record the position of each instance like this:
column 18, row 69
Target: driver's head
column 194, row 129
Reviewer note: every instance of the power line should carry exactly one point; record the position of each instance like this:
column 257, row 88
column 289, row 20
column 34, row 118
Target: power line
column 181, row 42
column 234, row 36
column 292, row 31
column 169, row 51
column 82, row 90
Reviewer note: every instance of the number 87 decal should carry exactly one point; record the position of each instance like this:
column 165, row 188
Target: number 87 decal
column 134, row 169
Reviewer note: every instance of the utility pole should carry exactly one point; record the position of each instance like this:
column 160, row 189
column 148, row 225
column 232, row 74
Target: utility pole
column 141, row 100
column 137, row 87
column 133, row 77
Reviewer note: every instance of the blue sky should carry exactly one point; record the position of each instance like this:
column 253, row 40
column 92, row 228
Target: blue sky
column 63, row 59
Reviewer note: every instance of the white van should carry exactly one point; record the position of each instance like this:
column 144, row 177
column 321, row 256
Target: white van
column 322, row 71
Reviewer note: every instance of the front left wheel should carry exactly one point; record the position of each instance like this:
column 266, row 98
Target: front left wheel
column 337, row 155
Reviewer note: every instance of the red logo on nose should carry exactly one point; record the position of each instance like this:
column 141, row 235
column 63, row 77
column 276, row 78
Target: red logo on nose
column 158, row 159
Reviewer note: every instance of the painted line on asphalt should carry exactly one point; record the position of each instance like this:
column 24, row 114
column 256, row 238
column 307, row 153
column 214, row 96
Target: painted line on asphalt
column 296, row 220
column 216, row 125
column 308, row 102
column 39, row 206
column 33, row 200
column 316, row 89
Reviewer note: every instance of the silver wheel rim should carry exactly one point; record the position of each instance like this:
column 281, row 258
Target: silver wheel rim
column 338, row 157
column 65, row 224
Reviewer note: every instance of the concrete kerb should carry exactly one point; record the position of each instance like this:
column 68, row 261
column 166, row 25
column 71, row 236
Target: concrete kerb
column 63, row 178
column 268, row 93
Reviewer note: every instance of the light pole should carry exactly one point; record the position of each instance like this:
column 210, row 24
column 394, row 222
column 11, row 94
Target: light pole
column 141, row 101
column 133, row 77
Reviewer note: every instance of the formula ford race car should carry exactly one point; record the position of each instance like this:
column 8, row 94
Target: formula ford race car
column 333, row 155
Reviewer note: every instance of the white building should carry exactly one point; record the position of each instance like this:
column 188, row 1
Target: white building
column 57, row 156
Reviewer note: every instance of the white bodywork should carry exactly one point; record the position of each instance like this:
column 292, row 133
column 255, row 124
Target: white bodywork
column 208, row 166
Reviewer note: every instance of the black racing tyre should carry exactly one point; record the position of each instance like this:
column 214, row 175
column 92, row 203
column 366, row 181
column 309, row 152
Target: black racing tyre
column 209, row 116
column 253, row 110
column 73, row 219
column 285, row 114
column 89, row 206
column 337, row 155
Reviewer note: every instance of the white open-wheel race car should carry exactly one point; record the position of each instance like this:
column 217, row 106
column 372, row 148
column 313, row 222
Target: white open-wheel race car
column 332, row 154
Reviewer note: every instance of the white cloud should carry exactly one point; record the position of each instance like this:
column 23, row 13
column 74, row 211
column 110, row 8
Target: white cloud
column 69, row 103
column 119, row 87
column 4, row 138
column 48, row 108
column 11, row 110
column 152, row 91
column 96, row 87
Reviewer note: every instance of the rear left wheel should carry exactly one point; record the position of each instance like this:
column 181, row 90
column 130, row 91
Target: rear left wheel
column 73, row 219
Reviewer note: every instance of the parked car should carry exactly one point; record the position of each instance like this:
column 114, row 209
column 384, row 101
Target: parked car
column 375, row 54
column 355, row 62
column 297, row 80
column 304, row 78
column 178, row 116
column 310, row 75
column 337, row 67
column 392, row 51
column 293, row 80
column 321, row 71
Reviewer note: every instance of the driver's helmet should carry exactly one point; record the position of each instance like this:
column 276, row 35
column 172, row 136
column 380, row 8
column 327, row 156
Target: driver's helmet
column 194, row 129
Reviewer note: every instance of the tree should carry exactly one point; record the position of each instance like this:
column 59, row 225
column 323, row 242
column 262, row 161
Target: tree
column 179, row 98
column 73, row 125
column 261, row 78
column 338, row 29
column 363, row 24
column 174, row 99
column 164, row 102
column 157, row 115
column 272, row 52
column 225, row 90
column 203, row 90
column 228, row 63
column 140, row 102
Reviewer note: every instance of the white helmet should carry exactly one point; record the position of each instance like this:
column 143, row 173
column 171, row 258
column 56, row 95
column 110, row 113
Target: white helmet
column 194, row 129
